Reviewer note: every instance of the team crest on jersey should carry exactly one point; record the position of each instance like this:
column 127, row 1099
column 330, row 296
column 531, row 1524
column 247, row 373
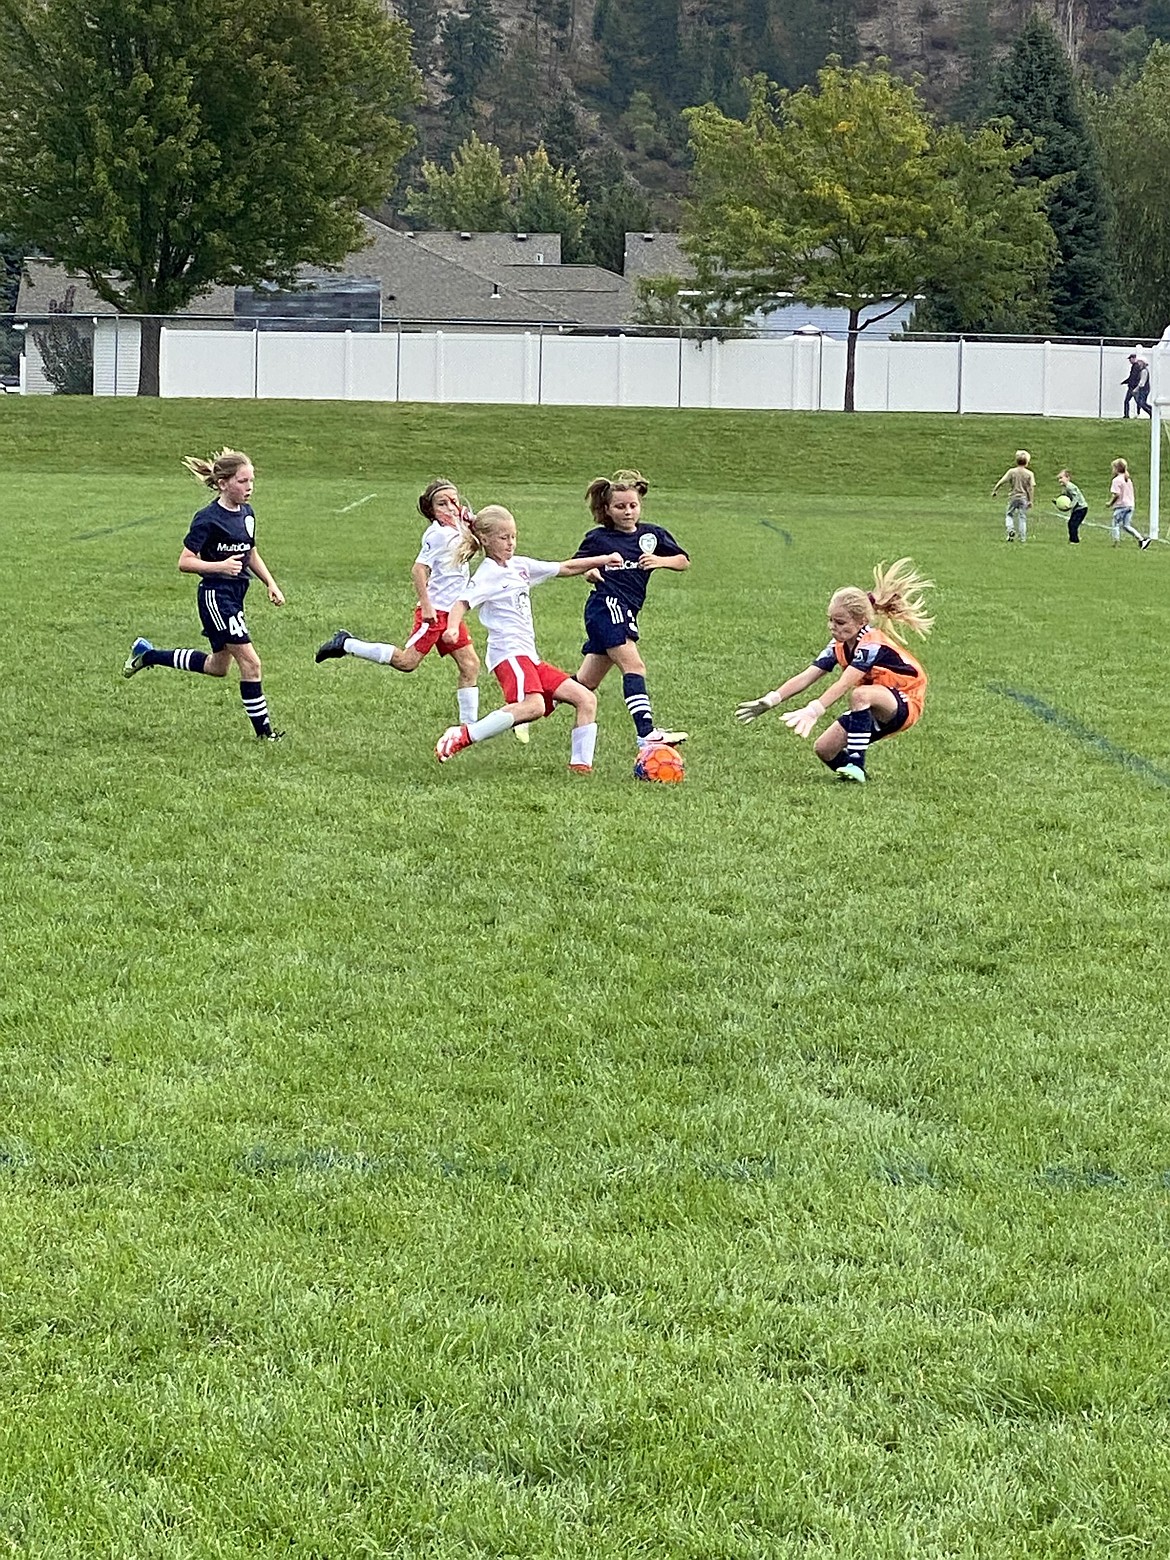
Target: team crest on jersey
column 647, row 542
column 250, row 524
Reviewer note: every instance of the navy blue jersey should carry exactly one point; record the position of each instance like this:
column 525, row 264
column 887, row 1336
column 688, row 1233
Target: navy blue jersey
column 217, row 533
column 628, row 583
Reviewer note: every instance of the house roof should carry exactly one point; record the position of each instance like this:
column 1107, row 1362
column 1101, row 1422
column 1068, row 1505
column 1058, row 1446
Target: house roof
column 420, row 280
column 655, row 254
column 475, row 250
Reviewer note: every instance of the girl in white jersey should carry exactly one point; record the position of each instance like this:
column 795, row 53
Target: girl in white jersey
column 499, row 593
column 439, row 581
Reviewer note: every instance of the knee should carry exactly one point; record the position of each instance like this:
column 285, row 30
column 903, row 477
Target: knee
column 250, row 668
column 588, row 704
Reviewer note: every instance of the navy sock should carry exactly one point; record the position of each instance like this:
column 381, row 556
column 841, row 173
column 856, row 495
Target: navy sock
column 256, row 707
column 858, row 726
column 638, row 702
column 178, row 660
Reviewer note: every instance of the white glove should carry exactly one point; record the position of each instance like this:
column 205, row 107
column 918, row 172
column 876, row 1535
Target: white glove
column 752, row 709
column 803, row 721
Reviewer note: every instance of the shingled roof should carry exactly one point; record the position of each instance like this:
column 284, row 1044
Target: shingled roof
column 421, row 280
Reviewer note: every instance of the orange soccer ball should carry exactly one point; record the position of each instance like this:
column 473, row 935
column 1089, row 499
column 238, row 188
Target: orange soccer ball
column 660, row 763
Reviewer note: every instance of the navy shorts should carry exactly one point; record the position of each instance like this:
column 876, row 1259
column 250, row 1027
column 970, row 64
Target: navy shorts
column 901, row 716
column 221, row 611
column 888, row 728
column 607, row 624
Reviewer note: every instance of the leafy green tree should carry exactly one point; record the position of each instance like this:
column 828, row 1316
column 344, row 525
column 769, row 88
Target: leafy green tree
column 11, row 262
column 157, row 149
column 1037, row 91
column 992, row 266
column 841, row 195
column 1133, row 125
column 473, row 196
column 472, row 44
column 547, row 200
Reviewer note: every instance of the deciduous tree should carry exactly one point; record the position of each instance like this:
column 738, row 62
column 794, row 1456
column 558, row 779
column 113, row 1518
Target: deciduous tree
column 1133, row 124
column 845, row 195
column 157, row 149
column 472, row 195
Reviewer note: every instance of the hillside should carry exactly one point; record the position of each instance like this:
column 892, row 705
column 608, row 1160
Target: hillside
column 591, row 73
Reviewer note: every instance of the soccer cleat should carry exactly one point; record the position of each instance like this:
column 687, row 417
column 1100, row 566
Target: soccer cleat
column 333, row 647
column 270, row 736
column 134, row 661
column 1146, row 543
column 670, row 738
column 852, row 772
column 581, row 769
column 521, row 733
column 453, row 741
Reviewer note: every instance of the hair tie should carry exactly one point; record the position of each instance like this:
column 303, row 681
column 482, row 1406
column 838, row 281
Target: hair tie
column 870, row 594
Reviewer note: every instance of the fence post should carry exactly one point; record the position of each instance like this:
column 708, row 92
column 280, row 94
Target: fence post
column 256, row 360
column 959, row 386
column 347, row 367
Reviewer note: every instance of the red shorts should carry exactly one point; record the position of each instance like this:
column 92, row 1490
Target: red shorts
column 425, row 637
column 518, row 677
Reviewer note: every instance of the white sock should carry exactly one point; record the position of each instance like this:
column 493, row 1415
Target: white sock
column 468, row 704
column 491, row 725
column 368, row 651
column 584, row 742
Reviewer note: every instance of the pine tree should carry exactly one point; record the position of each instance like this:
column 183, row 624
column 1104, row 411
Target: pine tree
column 616, row 207
column 471, row 46
column 1036, row 89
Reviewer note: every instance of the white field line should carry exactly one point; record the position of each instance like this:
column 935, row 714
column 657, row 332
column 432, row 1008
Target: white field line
column 357, row 503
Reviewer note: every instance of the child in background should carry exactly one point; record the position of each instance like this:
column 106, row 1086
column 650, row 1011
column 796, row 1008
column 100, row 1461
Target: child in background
column 618, row 595
column 220, row 547
column 1021, row 486
column 438, row 580
column 1121, row 499
column 1079, row 510
column 499, row 592
column 886, row 685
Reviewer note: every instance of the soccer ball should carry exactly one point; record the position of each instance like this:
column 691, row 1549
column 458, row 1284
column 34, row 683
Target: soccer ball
column 660, row 763
column 1063, row 502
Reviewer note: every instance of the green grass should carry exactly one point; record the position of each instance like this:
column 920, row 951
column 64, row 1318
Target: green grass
column 488, row 1161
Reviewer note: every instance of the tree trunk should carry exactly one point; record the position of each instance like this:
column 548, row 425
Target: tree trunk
column 150, row 327
column 851, row 357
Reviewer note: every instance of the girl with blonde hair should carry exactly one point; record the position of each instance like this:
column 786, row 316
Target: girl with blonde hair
column 1121, row 500
column 885, row 684
column 499, row 592
column 220, row 547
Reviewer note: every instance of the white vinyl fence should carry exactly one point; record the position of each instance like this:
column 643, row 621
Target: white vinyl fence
column 620, row 367
column 800, row 373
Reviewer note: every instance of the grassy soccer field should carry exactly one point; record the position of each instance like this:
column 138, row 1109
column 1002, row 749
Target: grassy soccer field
column 491, row 1161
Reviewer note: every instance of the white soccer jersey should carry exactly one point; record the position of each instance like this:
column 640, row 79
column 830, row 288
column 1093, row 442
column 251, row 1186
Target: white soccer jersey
column 499, row 593
column 448, row 581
